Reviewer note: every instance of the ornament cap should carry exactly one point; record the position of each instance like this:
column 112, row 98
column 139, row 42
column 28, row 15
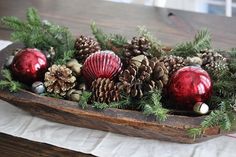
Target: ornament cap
column 201, row 108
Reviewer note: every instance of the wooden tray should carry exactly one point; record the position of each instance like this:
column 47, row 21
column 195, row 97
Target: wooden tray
column 131, row 123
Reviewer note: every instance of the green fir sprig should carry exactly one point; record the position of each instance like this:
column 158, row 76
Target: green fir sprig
column 156, row 47
column 202, row 40
column 223, row 117
column 8, row 83
column 124, row 103
column 152, row 106
column 39, row 34
column 84, row 99
column 100, row 106
column 114, row 42
column 232, row 60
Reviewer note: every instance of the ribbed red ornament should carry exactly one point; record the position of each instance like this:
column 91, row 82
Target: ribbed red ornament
column 188, row 86
column 102, row 64
column 29, row 65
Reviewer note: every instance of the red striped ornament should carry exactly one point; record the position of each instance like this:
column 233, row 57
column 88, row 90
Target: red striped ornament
column 102, row 64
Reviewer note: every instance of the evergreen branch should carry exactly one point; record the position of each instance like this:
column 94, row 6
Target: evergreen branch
column 100, row 106
column 40, row 34
column 202, row 40
column 232, row 60
column 8, row 82
column 122, row 104
column 13, row 23
column 85, row 96
column 101, row 37
column 152, row 106
column 114, row 42
column 156, row 47
column 194, row 132
column 67, row 55
column 6, row 74
column 223, row 117
column 117, row 40
column 33, row 17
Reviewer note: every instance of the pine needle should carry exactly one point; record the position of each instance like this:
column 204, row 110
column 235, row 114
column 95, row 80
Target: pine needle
column 232, row 60
column 8, row 83
column 83, row 102
column 194, row 132
column 99, row 35
column 33, row 17
column 152, row 106
column 39, row 34
column 67, row 55
column 100, row 106
column 202, row 40
column 114, row 42
column 223, row 117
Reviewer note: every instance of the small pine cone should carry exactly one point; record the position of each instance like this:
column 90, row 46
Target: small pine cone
column 137, row 80
column 84, row 47
column 105, row 90
column 209, row 56
column 173, row 63
column 160, row 73
column 59, row 79
column 138, row 46
column 130, row 83
column 213, row 62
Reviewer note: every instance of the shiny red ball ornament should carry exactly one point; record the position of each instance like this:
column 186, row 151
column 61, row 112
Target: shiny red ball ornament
column 188, row 86
column 29, row 65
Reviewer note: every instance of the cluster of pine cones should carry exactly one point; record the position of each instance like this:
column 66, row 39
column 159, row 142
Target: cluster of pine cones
column 143, row 71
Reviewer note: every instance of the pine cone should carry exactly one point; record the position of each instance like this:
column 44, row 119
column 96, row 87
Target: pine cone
column 151, row 74
column 173, row 63
column 105, row 90
column 213, row 62
column 138, row 46
column 85, row 46
column 59, row 79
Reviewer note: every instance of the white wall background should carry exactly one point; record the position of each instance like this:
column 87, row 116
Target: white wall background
column 189, row 5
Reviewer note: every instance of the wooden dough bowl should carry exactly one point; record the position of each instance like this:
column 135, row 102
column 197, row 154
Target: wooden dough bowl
column 130, row 123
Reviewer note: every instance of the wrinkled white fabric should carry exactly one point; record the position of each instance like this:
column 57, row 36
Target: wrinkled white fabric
column 14, row 121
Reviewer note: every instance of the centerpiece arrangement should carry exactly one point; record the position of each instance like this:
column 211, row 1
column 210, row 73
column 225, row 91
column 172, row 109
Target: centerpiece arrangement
column 137, row 75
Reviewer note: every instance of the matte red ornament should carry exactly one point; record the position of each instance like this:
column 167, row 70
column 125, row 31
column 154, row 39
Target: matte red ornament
column 29, row 65
column 188, row 86
column 102, row 64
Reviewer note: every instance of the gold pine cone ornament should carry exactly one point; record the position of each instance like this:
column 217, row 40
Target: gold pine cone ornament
column 59, row 80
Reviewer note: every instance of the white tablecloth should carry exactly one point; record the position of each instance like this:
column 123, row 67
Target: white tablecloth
column 18, row 123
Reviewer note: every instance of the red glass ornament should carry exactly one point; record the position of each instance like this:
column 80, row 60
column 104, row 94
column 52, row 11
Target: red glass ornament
column 103, row 64
column 188, row 86
column 29, row 65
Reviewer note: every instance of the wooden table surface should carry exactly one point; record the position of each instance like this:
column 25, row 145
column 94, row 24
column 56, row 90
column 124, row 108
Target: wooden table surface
column 169, row 26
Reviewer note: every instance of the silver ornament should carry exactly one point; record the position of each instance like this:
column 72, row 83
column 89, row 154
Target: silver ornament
column 38, row 87
column 9, row 61
column 201, row 108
